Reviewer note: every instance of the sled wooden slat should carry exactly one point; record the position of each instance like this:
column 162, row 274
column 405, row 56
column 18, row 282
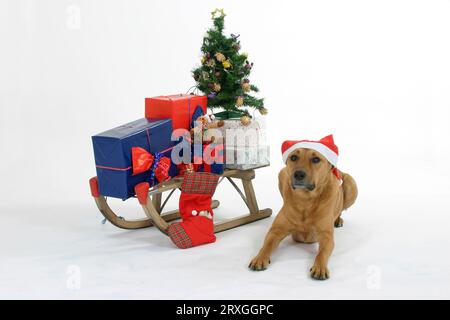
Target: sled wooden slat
column 236, row 222
column 155, row 216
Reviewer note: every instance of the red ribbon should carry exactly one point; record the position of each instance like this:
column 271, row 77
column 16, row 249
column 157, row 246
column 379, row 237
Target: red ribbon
column 142, row 161
column 162, row 170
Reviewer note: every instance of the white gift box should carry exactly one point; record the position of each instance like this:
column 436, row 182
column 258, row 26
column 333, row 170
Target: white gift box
column 248, row 157
column 235, row 133
column 245, row 146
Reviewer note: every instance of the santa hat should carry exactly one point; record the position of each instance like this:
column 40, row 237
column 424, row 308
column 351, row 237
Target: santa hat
column 324, row 146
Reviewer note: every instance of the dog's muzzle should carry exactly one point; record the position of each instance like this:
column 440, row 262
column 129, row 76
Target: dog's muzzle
column 299, row 181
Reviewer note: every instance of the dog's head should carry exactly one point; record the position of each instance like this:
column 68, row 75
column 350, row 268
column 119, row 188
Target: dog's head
column 307, row 169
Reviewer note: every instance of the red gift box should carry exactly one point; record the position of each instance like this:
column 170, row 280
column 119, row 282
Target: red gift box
column 179, row 108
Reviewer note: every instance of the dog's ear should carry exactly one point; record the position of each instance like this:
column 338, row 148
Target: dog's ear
column 283, row 182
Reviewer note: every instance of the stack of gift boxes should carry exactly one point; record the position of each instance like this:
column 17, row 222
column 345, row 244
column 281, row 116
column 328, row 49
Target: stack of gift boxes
column 140, row 151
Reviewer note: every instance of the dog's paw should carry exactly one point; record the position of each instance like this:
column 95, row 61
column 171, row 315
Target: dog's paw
column 339, row 222
column 319, row 272
column 259, row 263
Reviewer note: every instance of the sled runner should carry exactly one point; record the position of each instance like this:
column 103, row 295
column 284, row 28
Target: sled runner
column 151, row 201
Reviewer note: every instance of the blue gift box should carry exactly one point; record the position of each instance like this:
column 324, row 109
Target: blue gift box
column 112, row 151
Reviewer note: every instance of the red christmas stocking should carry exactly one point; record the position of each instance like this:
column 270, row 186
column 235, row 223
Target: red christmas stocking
column 195, row 209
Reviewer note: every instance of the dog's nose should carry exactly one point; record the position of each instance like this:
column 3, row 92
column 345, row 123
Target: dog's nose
column 299, row 175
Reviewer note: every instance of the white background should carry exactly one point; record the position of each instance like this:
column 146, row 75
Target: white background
column 376, row 74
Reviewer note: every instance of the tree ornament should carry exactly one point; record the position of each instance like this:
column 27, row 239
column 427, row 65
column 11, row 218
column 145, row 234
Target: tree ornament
column 244, row 54
column 203, row 60
column 239, row 101
column 245, row 86
column 226, row 64
column 210, row 63
column 207, row 55
column 218, row 74
column 220, row 57
column 205, row 75
column 216, row 87
column 237, row 47
column 263, row 111
column 245, row 120
column 196, row 76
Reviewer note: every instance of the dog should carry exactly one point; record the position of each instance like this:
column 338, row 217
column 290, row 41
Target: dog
column 314, row 195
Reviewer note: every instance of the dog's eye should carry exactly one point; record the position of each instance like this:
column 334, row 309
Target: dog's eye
column 315, row 160
column 294, row 158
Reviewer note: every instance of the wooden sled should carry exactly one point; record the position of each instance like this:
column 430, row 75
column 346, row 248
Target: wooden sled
column 151, row 201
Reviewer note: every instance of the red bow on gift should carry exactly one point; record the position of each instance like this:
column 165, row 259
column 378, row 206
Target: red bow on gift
column 162, row 169
column 143, row 161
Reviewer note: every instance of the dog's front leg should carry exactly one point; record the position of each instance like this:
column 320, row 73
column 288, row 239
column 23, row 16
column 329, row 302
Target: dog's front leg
column 319, row 270
column 277, row 232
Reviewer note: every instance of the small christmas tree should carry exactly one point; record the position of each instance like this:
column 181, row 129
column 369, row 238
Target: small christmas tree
column 223, row 74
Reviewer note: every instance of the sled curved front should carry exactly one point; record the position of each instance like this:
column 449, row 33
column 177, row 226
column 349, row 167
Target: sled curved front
column 124, row 223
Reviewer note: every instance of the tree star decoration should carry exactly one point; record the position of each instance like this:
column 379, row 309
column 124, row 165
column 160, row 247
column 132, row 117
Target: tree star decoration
column 218, row 13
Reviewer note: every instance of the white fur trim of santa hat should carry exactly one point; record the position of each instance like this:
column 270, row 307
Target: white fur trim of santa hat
column 324, row 146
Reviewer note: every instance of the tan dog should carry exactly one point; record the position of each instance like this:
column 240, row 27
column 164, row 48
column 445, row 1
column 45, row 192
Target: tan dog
column 313, row 201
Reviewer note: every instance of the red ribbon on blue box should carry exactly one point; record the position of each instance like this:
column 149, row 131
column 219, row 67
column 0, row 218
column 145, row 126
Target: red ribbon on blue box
column 143, row 161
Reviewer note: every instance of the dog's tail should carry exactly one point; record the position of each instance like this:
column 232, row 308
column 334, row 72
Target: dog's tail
column 350, row 190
